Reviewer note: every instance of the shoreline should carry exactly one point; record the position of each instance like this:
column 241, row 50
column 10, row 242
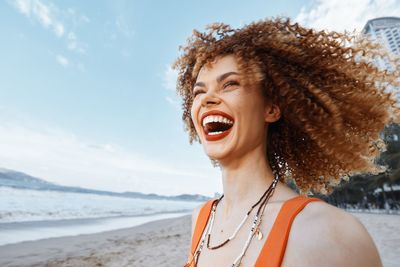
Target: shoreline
column 17, row 232
column 163, row 242
column 141, row 245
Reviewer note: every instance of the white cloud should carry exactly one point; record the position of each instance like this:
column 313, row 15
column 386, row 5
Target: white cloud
column 74, row 44
column 174, row 102
column 66, row 62
column 170, row 77
column 24, row 6
column 169, row 83
column 63, row 61
column 51, row 17
column 42, row 12
column 59, row 29
column 63, row 157
column 348, row 15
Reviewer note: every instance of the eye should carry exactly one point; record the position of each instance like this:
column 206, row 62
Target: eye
column 196, row 92
column 230, row 83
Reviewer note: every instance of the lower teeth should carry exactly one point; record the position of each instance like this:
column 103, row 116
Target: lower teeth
column 214, row 133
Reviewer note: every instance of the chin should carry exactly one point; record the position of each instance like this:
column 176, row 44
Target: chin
column 216, row 153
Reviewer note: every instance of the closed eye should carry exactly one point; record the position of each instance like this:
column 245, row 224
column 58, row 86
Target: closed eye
column 230, row 83
column 196, row 92
column 227, row 84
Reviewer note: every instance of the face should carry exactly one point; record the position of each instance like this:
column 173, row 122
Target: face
column 229, row 118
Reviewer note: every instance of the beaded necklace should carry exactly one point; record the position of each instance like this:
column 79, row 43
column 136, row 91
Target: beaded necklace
column 254, row 228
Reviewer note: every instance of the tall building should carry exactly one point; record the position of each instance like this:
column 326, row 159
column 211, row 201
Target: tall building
column 387, row 31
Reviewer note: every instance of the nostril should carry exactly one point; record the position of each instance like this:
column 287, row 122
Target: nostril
column 211, row 102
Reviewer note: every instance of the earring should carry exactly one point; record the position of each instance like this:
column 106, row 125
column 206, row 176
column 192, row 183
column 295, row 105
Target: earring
column 215, row 163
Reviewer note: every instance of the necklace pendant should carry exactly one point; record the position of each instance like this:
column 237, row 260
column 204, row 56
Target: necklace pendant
column 259, row 234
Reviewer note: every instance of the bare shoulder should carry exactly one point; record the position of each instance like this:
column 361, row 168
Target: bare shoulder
column 324, row 235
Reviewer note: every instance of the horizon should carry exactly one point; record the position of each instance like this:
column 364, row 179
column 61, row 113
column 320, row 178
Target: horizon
column 95, row 191
column 88, row 94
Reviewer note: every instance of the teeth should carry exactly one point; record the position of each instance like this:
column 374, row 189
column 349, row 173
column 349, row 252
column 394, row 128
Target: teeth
column 216, row 118
column 214, row 133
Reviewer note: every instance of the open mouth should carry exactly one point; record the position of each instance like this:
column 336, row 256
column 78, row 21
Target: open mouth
column 216, row 127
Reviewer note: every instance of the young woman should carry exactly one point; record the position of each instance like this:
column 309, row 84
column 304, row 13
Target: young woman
column 274, row 103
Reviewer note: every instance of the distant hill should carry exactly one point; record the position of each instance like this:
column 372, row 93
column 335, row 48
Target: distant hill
column 15, row 179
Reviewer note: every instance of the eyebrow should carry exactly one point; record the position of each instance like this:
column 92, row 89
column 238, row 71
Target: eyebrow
column 219, row 78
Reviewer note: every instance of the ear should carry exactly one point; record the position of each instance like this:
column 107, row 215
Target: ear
column 272, row 113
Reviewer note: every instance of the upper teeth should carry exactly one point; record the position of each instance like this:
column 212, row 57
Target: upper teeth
column 216, row 118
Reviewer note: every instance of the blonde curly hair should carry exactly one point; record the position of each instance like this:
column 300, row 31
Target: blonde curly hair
column 333, row 98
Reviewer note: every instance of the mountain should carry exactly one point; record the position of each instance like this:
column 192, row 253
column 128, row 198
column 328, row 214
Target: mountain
column 15, row 179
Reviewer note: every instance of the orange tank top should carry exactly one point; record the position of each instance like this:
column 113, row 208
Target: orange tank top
column 272, row 253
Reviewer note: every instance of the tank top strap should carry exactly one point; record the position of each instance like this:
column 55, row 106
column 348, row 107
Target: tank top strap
column 201, row 224
column 274, row 247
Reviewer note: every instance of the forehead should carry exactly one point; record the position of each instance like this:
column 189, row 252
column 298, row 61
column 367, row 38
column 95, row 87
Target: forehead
column 217, row 67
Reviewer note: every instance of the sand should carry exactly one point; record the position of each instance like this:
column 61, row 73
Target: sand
column 160, row 243
column 385, row 231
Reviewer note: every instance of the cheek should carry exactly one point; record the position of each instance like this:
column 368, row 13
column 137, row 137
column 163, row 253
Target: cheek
column 251, row 113
column 193, row 115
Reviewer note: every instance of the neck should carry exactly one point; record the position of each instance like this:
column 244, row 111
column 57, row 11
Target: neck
column 244, row 181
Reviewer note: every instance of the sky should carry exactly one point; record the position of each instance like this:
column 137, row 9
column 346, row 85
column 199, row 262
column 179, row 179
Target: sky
column 87, row 95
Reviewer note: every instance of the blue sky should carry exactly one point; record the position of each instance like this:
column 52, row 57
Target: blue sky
column 87, row 97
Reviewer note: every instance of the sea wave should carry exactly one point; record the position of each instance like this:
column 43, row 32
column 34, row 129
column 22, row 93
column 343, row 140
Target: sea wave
column 22, row 205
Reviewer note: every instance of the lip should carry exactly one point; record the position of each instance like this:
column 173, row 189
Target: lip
column 216, row 136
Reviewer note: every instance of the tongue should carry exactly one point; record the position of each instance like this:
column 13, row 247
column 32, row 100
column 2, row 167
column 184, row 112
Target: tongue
column 216, row 127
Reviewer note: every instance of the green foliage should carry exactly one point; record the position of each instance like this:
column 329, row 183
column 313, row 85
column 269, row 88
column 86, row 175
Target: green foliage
column 374, row 188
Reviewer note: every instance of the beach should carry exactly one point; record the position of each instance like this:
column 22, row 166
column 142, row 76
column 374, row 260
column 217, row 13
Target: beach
column 162, row 243
column 159, row 243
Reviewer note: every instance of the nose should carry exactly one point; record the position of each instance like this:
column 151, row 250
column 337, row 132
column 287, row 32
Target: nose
column 210, row 98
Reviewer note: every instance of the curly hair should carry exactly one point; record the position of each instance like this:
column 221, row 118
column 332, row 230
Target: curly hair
column 334, row 100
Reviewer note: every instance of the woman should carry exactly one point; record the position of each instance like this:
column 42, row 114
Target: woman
column 274, row 103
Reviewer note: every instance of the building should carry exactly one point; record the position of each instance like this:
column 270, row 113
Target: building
column 387, row 31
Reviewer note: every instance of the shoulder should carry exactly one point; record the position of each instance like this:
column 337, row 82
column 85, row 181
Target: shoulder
column 196, row 212
column 324, row 235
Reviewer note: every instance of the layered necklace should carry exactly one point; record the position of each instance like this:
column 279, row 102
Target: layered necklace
column 254, row 228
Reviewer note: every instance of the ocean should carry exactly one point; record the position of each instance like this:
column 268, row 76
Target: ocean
column 27, row 214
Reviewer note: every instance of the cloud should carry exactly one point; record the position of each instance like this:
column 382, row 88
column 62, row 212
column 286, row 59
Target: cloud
column 65, row 158
column 42, row 12
column 170, row 77
column 174, row 102
column 24, row 6
column 63, row 61
column 339, row 15
column 74, row 44
column 51, row 17
column 169, row 83
column 66, row 62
